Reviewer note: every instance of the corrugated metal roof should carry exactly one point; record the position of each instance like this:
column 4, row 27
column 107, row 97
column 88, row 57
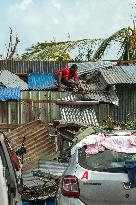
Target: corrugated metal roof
column 32, row 181
column 130, row 70
column 119, row 74
column 41, row 81
column 25, row 67
column 85, row 114
column 38, row 143
column 52, row 167
column 10, row 94
column 97, row 95
column 11, row 80
column 102, row 96
column 91, row 67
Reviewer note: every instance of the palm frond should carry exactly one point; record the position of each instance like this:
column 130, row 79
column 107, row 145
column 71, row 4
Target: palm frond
column 104, row 45
column 62, row 50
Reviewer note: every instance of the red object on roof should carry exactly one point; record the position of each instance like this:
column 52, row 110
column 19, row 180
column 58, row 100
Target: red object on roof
column 66, row 74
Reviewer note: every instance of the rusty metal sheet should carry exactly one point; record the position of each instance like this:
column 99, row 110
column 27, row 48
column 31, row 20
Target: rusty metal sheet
column 38, row 143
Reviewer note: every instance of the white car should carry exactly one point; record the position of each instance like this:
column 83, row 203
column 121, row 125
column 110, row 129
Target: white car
column 98, row 179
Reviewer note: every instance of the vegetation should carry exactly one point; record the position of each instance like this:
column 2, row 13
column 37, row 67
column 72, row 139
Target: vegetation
column 12, row 47
column 86, row 49
column 111, row 124
column 80, row 50
column 126, row 37
column 130, row 125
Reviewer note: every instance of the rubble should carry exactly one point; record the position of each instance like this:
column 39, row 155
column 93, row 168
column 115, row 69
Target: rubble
column 44, row 181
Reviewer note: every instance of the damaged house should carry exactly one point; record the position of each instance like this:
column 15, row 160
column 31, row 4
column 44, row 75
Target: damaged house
column 35, row 93
column 50, row 121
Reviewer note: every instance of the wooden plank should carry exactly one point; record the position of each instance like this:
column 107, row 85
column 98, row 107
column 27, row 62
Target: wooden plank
column 38, row 101
column 61, row 102
column 14, row 126
column 9, row 126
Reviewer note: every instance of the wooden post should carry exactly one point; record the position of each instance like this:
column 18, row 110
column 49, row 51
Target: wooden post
column 30, row 110
column 110, row 111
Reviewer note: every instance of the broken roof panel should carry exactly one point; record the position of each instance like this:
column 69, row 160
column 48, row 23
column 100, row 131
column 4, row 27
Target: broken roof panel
column 38, row 143
column 9, row 94
column 98, row 95
column 92, row 67
column 84, row 114
column 38, row 81
column 52, row 167
column 10, row 80
column 32, row 181
column 103, row 96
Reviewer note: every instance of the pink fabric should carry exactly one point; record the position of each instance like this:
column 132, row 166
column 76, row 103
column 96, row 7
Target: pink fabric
column 97, row 146
column 133, row 140
column 91, row 139
column 126, row 144
column 91, row 149
column 98, row 143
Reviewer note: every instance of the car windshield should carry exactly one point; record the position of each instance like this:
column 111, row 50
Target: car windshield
column 107, row 161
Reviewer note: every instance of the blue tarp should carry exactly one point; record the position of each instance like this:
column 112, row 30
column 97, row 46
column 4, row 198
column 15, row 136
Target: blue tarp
column 10, row 94
column 48, row 201
column 33, row 202
column 37, row 81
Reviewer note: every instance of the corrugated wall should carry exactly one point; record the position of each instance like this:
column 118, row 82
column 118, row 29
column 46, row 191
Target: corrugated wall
column 102, row 112
column 24, row 67
column 127, row 105
column 127, row 102
column 25, row 111
column 44, row 111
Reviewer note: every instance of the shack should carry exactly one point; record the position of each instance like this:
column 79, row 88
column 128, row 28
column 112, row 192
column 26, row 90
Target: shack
column 113, row 86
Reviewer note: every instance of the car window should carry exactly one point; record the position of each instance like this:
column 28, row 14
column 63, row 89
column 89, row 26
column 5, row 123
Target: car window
column 107, row 161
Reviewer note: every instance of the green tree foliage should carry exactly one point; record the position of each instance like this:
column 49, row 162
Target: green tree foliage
column 126, row 37
column 59, row 51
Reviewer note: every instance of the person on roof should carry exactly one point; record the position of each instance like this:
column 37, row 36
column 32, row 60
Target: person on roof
column 68, row 77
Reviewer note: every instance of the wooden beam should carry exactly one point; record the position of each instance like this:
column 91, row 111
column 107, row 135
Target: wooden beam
column 9, row 126
column 58, row 102
column 37, row 101
column 61, row 102
column 14, row 126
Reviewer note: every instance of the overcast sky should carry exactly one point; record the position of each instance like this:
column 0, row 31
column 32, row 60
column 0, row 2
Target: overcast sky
column 44, row 20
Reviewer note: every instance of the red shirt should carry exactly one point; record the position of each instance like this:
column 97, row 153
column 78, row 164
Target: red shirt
column 66, row 74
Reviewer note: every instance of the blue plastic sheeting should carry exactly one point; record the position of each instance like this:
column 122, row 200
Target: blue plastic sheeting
column 37, row 81
column 48, row 201
column 10, row 94
column 36, row 202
